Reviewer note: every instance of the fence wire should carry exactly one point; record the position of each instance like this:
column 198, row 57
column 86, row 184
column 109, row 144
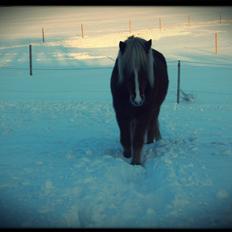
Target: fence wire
column 173, row 91
column 199, row 64
column 169, row 62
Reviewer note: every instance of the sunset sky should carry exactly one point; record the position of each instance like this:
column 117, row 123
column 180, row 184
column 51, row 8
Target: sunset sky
column 25, row 21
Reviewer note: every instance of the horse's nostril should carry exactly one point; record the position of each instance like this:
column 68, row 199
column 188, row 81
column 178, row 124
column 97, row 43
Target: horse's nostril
column 137, row 103
column 132, row 99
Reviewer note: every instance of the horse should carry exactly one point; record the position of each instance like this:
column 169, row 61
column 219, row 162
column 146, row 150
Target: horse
column 139, row 84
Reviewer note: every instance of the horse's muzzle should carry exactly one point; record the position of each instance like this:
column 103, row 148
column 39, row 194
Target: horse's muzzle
column 137, row 103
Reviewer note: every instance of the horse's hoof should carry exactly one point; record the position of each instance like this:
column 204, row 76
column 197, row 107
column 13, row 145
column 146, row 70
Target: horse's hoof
column 135, row 163
column 126, row 154
column 149, row 142
column 157, row 138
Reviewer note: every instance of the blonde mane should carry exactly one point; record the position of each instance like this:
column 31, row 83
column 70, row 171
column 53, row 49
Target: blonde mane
column 135, row 58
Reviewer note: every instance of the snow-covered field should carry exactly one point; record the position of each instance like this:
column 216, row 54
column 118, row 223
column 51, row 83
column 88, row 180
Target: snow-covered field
column 60, row 157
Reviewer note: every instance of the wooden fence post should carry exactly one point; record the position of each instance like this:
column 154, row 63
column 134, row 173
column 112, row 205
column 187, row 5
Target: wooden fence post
column 82, row 31
column 188, row 20
column 178, row 83
column 216, row 42
column 160, row 24
column 43, row 34
column 30, row 59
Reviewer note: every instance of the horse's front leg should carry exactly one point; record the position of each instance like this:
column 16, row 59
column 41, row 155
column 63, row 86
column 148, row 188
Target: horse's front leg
column 125, row 138
column 138, row 140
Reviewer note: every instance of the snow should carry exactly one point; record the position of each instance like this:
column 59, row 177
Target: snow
column 61, row 162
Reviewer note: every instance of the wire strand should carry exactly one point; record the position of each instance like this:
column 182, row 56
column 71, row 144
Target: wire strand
column 223, row 65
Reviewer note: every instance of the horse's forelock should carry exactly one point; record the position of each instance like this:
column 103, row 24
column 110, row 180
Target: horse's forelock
column 135, row 58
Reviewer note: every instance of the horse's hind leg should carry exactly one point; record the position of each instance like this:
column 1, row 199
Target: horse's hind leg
column 157, row 134
column 151, row 131
column 157, row 130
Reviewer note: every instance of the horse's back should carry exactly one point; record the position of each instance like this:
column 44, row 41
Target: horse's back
column 160, row 64
column 114, row 77
column 160, row 76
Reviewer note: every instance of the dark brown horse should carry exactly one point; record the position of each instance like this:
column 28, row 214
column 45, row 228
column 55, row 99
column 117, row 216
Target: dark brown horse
column 139, row 84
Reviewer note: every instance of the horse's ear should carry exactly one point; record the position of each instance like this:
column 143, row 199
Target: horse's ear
column 122, row 46
column 148, row 45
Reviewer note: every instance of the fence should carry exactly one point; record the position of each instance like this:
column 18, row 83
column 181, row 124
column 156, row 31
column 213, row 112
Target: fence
column 160, row 22
column 130, row 24
column 178, row 63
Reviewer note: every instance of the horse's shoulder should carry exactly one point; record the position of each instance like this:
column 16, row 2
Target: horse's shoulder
column 114, row 76
column 158, row 55
column 115, row 68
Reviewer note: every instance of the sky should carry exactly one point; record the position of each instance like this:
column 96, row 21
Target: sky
column 28, row 21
